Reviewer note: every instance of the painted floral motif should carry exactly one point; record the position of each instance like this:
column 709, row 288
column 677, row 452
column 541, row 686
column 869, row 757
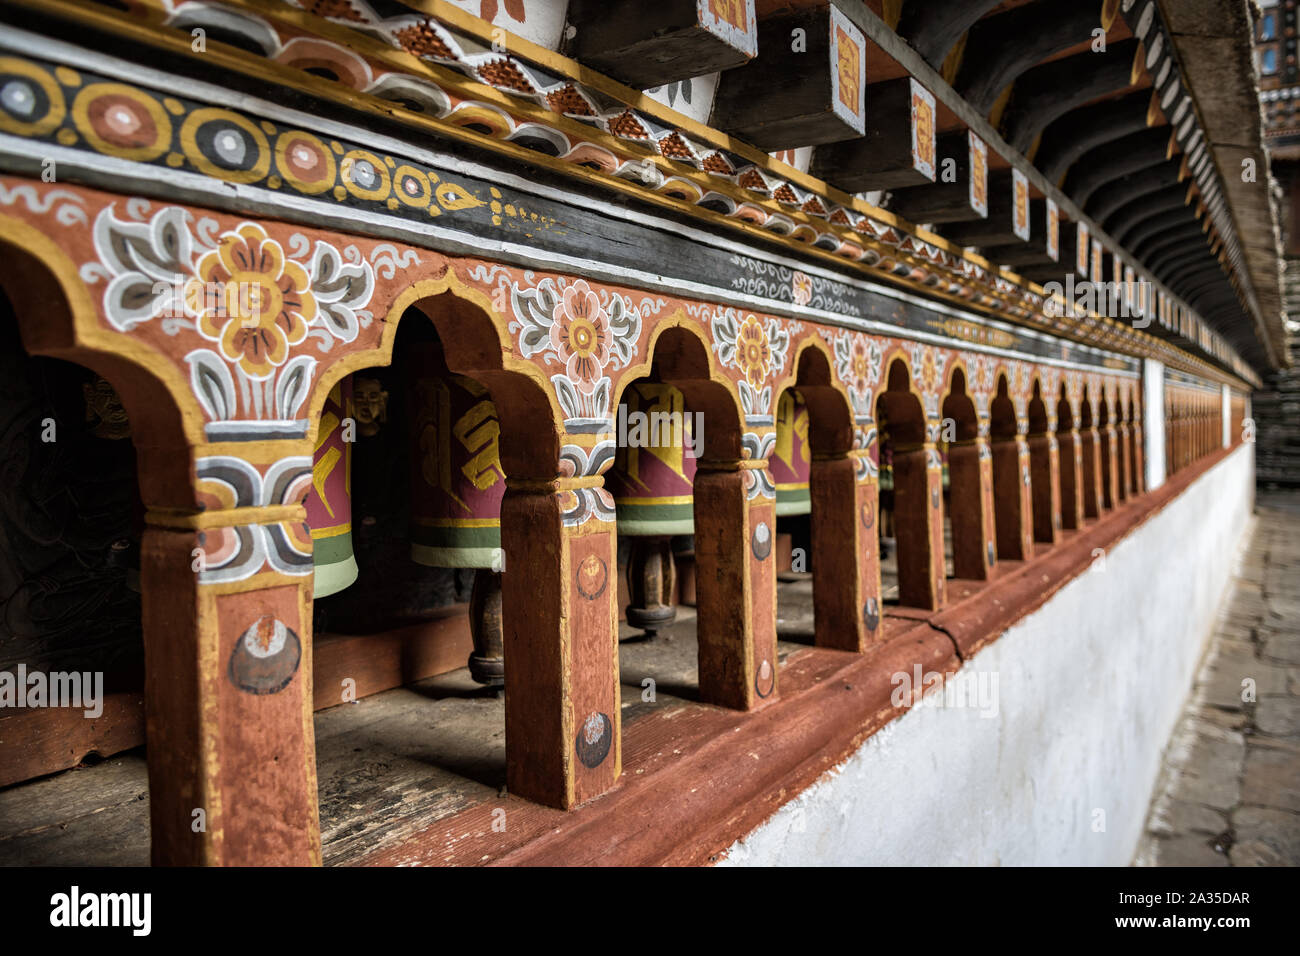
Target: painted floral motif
column 587, row 330
column 981, row 381
column 755, row 447
column 864, row 440
column 928, row 364
column 1050, row 379
column 753, row 352
column 237, row 553
column 1023, row 386
column 251, row 299
column 858, row 360
column 755, row 346
column 245, row 292
column 580, row 335
column 801, row 288
column 582, row 504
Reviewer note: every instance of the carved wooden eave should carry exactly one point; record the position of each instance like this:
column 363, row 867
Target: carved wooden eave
column 1212, row 40
column 517, row 103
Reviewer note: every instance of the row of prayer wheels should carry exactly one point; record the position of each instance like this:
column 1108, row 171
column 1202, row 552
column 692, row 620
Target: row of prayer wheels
column 457, row 485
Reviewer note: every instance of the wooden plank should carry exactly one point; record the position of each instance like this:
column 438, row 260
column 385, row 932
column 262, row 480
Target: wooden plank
column 1052, row 89
column 819, row 57
column 649, row 44
column 899, row 148
column 1110, row 161
column 39, row 741
column 1000, row 48
column 934, row 27
column 961, row 189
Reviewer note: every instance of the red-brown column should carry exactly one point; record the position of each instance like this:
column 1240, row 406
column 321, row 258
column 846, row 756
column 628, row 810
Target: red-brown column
column 228, row 691
column 1013, row 505
column 1071, row 472
column 845, row 552
column 918, row 514
column 1137, row 477
column 559, row 617
column 735, row 537
column 1091, row 443
column 1045, row 474
column 970, row 497
column 1123, row 460
column 1109, row 447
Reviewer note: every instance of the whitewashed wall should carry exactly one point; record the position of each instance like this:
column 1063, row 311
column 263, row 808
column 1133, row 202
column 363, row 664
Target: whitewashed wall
column 1090, row 687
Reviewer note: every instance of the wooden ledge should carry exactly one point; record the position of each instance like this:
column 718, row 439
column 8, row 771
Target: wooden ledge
column 697, row 778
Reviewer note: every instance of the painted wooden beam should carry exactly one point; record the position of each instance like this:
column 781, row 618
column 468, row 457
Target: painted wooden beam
column 819, row 56
column 649, row 44
column 1051, row 90
column 1069, row 137
column 1151, row 249
column 1169, row 253
column 1120, row 193
column 1002, row 225
column 899, row 148
column 1121, row 157
column 1031, row 252
column 1195, row 272
column 934, row 27
column 962, row 188
column 1151, row 225
column 1185, row 273
column 1001, row 48
column 1122, row 221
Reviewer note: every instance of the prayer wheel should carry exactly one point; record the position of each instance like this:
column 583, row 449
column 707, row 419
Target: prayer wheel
column 456, row 492
column 652, row 486
column 791, row 462
column 790, row 466
column 329, row 503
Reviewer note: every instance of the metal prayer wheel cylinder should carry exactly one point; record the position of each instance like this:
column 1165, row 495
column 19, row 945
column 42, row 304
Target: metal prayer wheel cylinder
column 652, row 485
column 456, row 491
column 791, row 461
column 329, row 502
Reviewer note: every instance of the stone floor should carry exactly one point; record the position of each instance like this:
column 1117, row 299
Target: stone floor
column 1229, row 794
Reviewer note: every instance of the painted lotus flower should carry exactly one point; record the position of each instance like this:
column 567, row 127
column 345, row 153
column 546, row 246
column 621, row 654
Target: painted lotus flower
column 252, row 300
column 753, row 351
column 862, row 369
column 801, row 288
column 926, row 369
column 580, row 335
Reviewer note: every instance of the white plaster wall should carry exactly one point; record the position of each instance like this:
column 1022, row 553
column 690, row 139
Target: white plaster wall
column 1090, row 687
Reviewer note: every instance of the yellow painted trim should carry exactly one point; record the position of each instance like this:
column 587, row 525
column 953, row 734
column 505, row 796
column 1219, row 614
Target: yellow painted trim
column 223, row 517
column 89, row 334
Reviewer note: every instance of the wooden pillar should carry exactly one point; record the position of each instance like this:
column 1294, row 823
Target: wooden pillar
column 1091, row 443
column 1013, row 505
column 1170, row 444
column 227, row 592
column 735, row 566
column 845, row 551
column 1071, row 472
column 970, row 505
column 1124, row 464
column 1045, row 484
column 918, row 516
column 1109, row 447
column 1137, row 475
column 559, row 617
